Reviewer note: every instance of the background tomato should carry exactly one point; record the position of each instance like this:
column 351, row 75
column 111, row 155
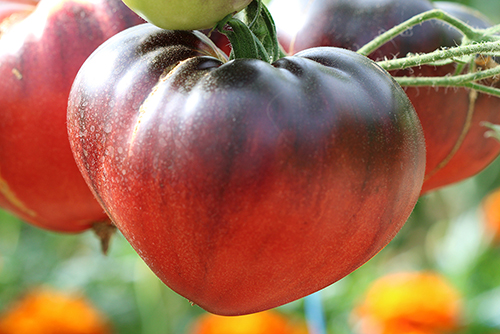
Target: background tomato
column 186, row 14
column 451, row 118
column 39, row 58
column 245, row 185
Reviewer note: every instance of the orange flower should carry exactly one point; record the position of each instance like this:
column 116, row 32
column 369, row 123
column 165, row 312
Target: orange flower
column 491, row 210
column 268, row 322
column 44, row 311
column 409, row 303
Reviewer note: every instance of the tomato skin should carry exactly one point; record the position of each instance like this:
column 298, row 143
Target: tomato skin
column 443, row 112
column 245, row 185
column 39, row 180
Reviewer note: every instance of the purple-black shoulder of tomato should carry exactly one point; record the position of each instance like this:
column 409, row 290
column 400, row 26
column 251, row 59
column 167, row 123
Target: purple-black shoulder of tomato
column 146, row 51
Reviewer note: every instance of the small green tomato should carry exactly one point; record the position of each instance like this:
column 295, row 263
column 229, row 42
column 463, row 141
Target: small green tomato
column 185, row 14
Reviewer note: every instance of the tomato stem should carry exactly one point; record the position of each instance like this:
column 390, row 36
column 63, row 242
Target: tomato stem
column 243, row 41
column 493, row 30
column 256, row 13
column 456, row 80
column 257, row 38
column 463, row 80
column 263, row 26
column 468, row 80
column 476, row 41
column 483, row 89
column 471, row 34
column 443, row 54
column 104, row 231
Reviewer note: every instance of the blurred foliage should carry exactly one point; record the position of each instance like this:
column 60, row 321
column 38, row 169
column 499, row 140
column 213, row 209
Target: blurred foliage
column 490, row 8
column 445, row 234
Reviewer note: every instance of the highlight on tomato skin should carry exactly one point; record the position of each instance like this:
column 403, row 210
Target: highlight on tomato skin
column 452, row 118
column 39, row 180
column 245, row 185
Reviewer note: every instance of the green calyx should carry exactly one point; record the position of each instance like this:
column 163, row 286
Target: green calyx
column 255, row 38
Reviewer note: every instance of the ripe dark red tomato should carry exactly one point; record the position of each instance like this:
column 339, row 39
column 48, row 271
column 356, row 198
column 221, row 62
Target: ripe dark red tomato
column 40, row 53
column 451, row 118
column 245, row 185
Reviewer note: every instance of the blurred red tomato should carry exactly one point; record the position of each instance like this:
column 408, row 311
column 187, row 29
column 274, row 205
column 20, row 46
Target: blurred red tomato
column 42, row 46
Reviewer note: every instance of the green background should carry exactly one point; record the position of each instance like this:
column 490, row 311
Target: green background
column 444, row 234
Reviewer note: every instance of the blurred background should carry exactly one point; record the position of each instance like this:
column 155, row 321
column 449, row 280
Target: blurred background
column 442, row 269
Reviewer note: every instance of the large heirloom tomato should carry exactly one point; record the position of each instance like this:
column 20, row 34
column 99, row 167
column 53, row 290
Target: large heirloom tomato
column 245, row 185
column 40, row 54
column 452, row 119
column 186, row 14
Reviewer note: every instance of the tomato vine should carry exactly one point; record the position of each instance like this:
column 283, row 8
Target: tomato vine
column 255, row 37
column 471, row 34
column 475, row 41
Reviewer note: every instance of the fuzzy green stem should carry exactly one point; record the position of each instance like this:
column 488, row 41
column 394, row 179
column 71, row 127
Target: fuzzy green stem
column 476, row 41
column 457, row 80
column 262, row 25
column 464, row 80
column 418, row 60
column 257, row 39
column 493, row 30
column 482, row 88
column 273, row 35
column 244, row 43
column 253, row 9
column 477, row 35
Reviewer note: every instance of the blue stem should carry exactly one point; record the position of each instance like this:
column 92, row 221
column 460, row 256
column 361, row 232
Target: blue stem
column 314, row 314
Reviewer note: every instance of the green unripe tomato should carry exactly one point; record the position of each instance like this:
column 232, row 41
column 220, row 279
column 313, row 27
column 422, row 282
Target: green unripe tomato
column 185, row 14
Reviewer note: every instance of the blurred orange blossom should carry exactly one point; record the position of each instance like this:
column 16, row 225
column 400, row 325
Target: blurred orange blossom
column 409, row 303
column 45, row 311
column 491, row 211
column 268, row 322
